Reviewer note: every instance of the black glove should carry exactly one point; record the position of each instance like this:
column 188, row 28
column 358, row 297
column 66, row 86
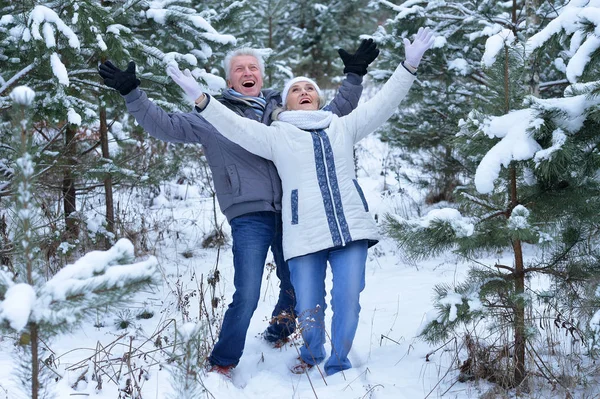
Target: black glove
column 359, row 61
column 122, row 81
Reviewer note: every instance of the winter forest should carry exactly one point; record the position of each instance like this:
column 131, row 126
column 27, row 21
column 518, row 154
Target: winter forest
column 116, row 261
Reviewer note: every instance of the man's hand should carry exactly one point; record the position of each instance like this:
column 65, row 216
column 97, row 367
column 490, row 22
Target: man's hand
column 186, row 81
column 359, row 61
column 414, row 51
column 122, row 81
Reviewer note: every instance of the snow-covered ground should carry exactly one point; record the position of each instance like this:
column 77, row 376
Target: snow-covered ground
column 389, row 361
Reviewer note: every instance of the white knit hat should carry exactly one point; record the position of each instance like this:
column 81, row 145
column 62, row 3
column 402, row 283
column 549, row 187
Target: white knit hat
column 289, row 84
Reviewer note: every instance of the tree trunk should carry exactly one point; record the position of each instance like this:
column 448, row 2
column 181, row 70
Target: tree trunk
column 532, row 76
column 35, row 363
column 68, row 188
column 519, row 306
column 519, row 275
column 108, row 185
column 271, row 46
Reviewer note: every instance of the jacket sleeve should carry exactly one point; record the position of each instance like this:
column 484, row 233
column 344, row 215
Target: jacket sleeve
column 180, row 127
column 251, row 135
column 378, row 109
column 346, row 99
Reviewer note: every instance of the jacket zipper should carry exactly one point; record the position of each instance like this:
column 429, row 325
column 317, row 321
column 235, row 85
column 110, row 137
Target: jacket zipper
column 330, row 192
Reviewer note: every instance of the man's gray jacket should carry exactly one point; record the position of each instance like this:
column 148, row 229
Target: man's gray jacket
column 244, row 182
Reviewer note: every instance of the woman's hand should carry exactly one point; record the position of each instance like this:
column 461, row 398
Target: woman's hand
column 186, row 81
column 414, row 51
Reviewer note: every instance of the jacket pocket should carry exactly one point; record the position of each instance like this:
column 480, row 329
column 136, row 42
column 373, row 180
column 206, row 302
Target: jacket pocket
column 234, row 179
column 294, row 204
column 361, row 194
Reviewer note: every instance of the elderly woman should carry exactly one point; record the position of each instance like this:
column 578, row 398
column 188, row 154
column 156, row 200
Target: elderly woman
column 325, row 215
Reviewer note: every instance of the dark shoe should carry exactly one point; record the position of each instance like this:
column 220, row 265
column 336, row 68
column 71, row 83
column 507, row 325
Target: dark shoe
column 301, row 367
column 274, row 340
column 225, row 371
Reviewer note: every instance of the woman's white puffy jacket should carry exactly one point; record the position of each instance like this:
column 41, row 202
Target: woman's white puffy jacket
column 323, row 206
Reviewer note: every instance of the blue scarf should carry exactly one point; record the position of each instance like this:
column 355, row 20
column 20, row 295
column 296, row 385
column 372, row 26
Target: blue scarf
column 258, row 104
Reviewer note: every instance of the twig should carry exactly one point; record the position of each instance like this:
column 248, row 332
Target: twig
column 357, row 377
column 438, row 348
column 133, row 379
column 532, row 349
column 370, row 389
column 444, row 376
column 388, row 338
column 308, row 376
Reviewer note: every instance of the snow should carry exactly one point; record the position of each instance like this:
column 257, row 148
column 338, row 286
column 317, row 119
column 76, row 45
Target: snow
column 158, row 15
column 22, row 95
column 219, row 38
column 580, row 59
column 572, row 107
column 486, row 31
column 43, row 15
column 567, row 21
column 494, row 44
column 518, row 218
column 389, row 361
column 87, row 271
column 462, row 226
column 460, row 65
column 101, row 44
column 73, row 117
column 571, row 20
column 18, row 302
column 59, row 70
column 215, row 83
column 558, row 139
column 439, row 41
column 516, row 143
column 48, row 33
column 116, row 29
column 6, row 20
column 454, row 300
column 95, row 223
column 559, row 63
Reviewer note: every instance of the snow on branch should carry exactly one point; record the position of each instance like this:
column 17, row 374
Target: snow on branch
column 16, row 77
column 494, row 44
column 572, row 20
column 516, row 144
column 98, row 279
column 42, row 15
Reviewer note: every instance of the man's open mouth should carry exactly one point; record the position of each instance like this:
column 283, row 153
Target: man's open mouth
column 248, row 83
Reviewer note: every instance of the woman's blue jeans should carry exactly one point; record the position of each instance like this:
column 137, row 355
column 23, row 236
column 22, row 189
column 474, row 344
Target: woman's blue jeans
column 252, row 235
column 308, row 277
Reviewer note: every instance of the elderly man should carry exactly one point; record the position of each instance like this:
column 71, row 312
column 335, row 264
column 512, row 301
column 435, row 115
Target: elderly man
column 248, row 187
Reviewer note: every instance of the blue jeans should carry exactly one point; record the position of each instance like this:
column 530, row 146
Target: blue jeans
column 252, row 236
column 308, row 276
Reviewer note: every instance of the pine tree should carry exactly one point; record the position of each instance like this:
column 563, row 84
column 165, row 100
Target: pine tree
column 302, row 37
column 450, row 80
column 83, row 132
column 533, row 161
column 35, row 309
column 188, row 357
column 318, row 29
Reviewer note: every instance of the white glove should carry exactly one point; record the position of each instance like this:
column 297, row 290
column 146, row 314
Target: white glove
column 415, row 50
column 186, row 81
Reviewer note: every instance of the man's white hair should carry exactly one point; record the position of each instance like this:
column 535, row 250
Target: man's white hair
column 243, row 51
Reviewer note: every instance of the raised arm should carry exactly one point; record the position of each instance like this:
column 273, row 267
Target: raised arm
column 171, row 127
column 251, row 135
column 373, row 113
column 355, row 67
